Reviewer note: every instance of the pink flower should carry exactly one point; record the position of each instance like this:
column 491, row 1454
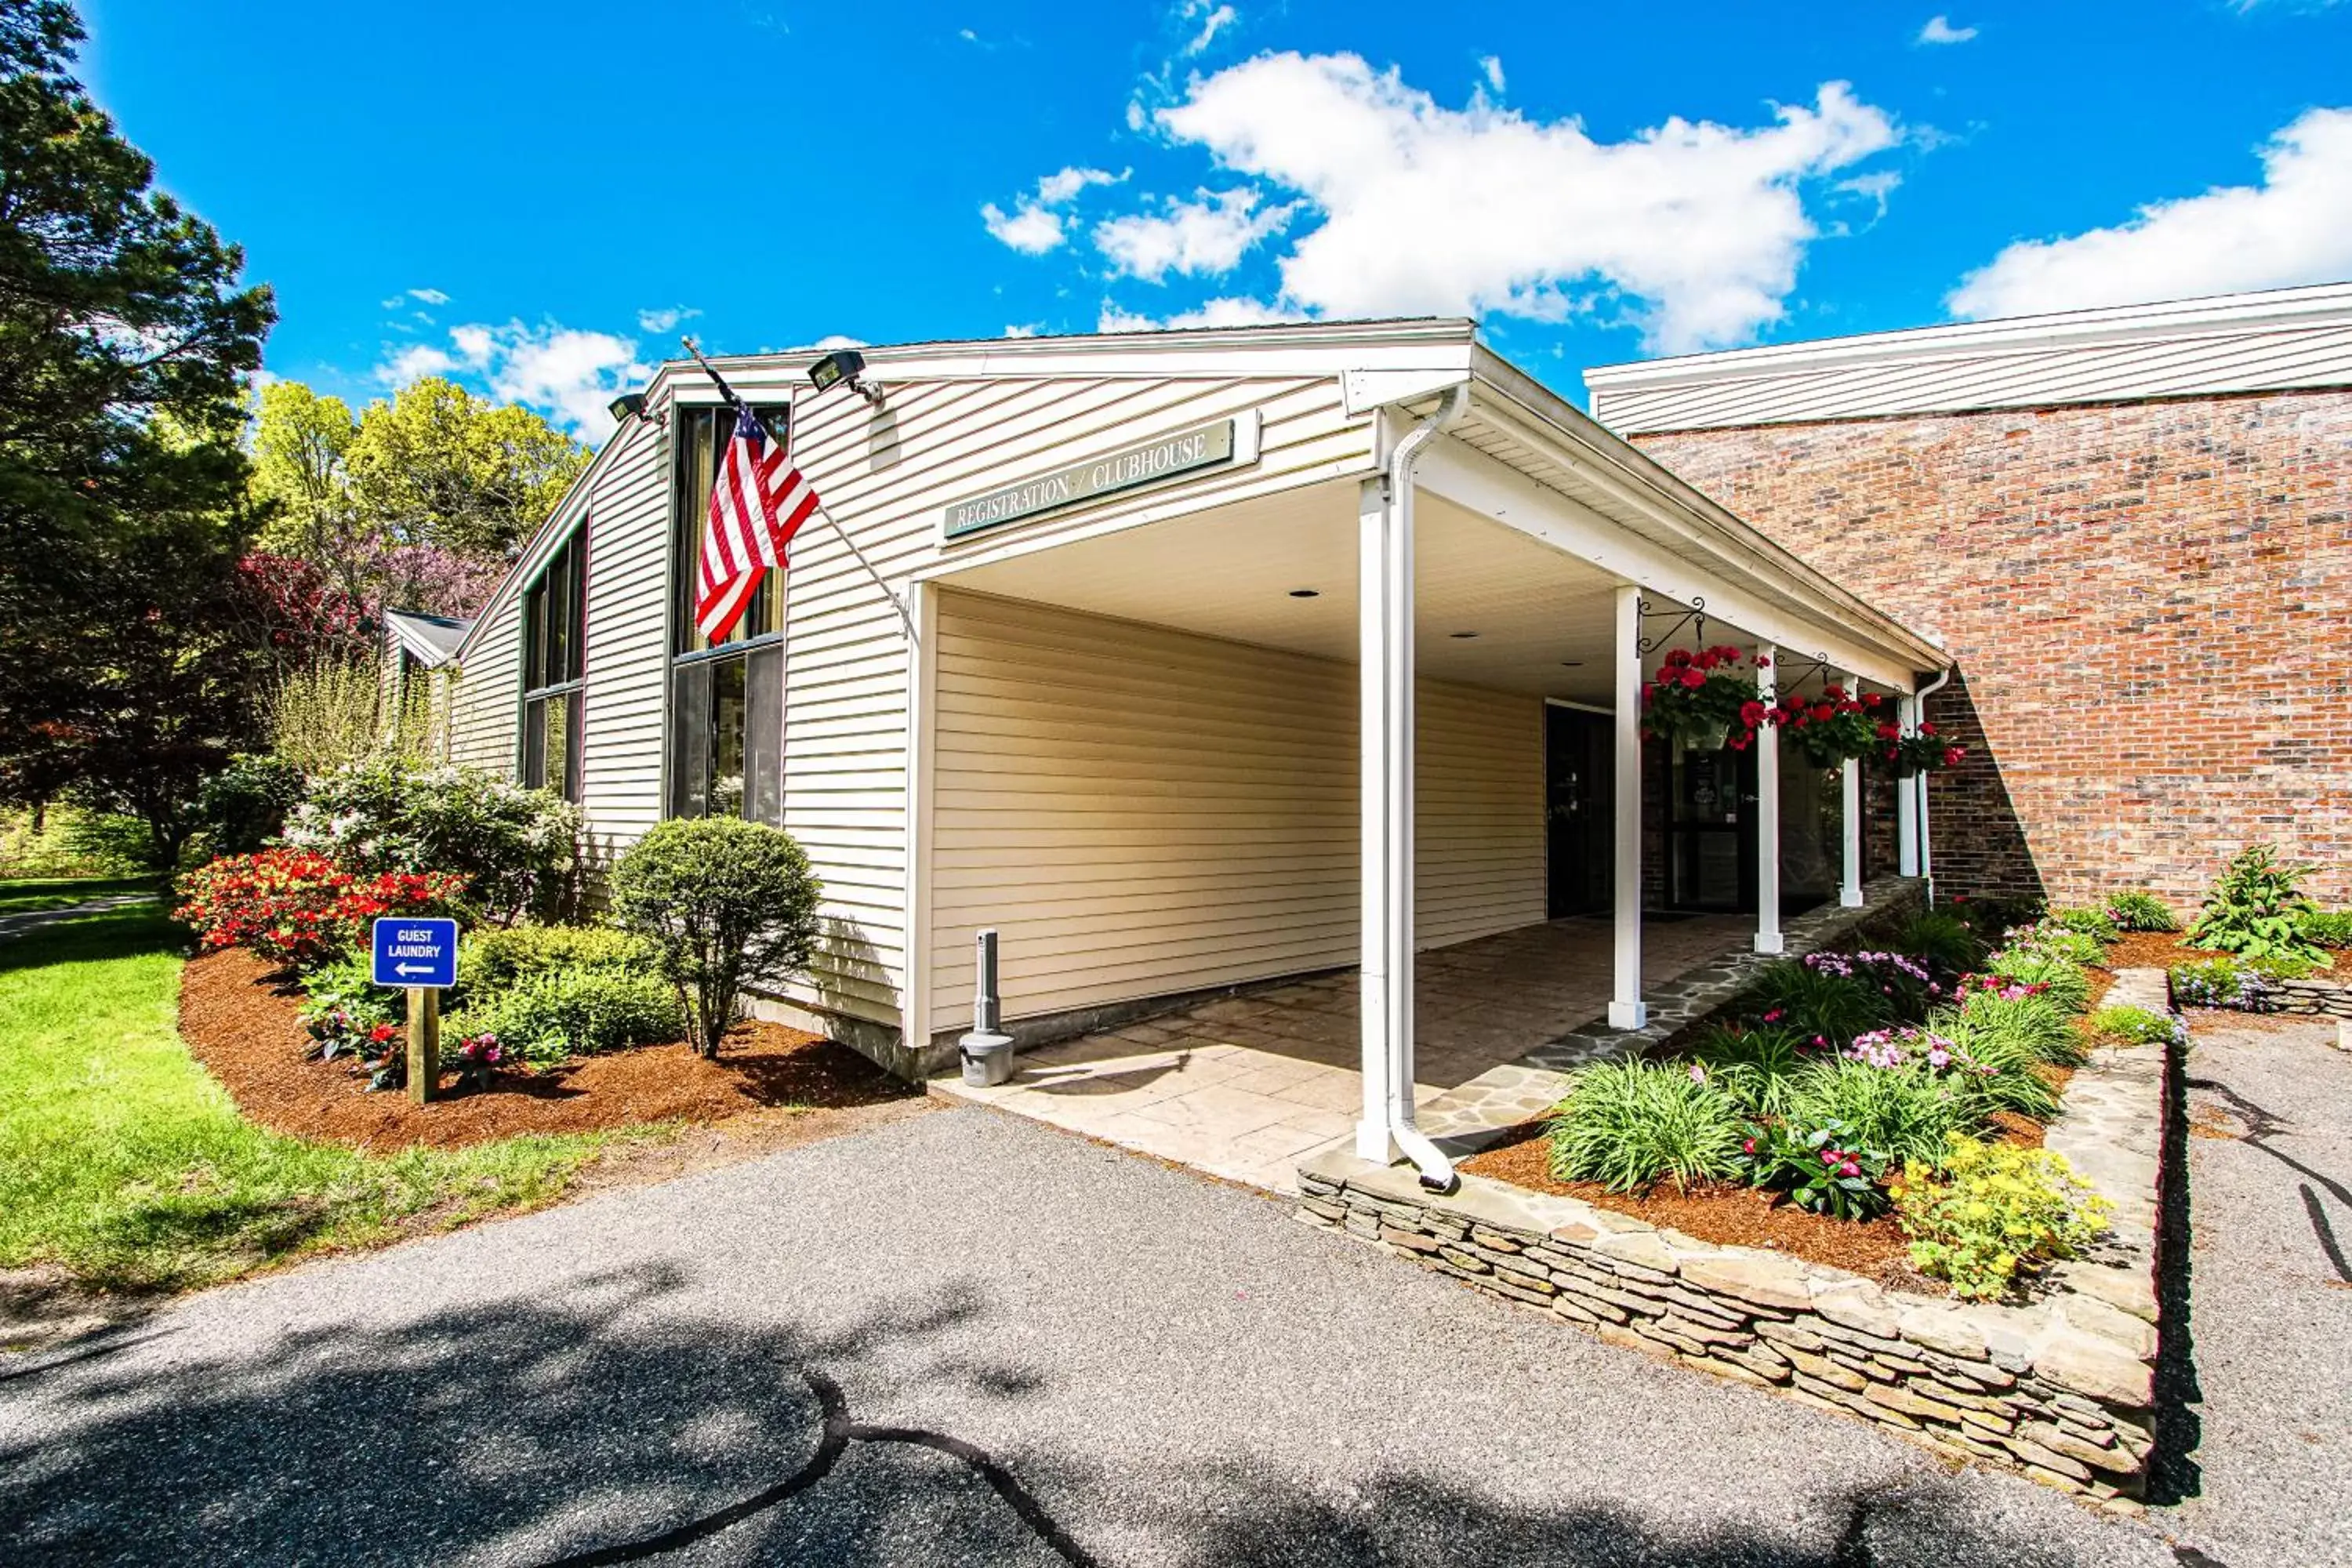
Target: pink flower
column 1699, row 1073
column 1773, row 1017
column 1849, row 1168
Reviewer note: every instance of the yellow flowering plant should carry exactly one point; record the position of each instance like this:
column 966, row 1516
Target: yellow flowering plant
column 1994, row 1211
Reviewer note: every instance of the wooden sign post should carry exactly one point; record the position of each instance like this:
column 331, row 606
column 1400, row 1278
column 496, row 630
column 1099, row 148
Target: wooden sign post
column 418, row 956
column 424, row 1043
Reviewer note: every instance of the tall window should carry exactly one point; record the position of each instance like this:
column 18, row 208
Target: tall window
column 726, row 698
column 554, row 616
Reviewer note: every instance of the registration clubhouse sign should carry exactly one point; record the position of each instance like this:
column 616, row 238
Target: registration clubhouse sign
column 1203, row 446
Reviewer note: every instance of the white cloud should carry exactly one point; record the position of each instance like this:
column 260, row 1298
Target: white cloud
column 1214, row 19
column 428, row 296
column 1031, row 230
column 1876, row 185
column 415, row 361
column 1492, row 65
column 566, row 373
column 1431, row 209
column 1032, row 227
column 1224, row 312
column 1208, row 236
column 2293, row 227
column 1940, row 30
column 1022, row 329
column 833, row 341
column 665, row 317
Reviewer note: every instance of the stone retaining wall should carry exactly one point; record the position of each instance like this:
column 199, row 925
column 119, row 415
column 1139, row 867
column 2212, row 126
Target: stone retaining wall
column 2061, row 1386
column 2315, row 997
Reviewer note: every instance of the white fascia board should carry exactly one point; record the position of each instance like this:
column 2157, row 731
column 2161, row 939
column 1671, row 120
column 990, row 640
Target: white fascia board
column 1310, row 349
column 2278, row 309
column 1469, row 478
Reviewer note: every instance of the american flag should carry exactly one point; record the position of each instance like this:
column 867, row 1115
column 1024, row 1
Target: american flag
column 756, row 506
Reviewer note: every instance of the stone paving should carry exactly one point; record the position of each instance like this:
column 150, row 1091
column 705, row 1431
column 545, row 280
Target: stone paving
column 1249, row 1087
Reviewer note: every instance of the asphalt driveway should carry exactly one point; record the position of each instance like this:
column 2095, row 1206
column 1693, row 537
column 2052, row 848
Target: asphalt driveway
column 958, row 1339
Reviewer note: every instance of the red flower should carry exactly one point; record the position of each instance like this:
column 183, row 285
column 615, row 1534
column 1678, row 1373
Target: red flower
column 1693, row 680
column 1751, row 713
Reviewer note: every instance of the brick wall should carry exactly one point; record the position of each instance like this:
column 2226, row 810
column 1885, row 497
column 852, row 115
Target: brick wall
column 2151, row 608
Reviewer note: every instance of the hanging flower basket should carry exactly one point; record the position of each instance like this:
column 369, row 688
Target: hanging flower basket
column 1922, row 751
column 1832, row 728
column 1698, row 699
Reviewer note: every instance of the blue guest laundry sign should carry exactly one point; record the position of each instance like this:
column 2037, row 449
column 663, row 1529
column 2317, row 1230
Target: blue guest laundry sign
column 410, row 952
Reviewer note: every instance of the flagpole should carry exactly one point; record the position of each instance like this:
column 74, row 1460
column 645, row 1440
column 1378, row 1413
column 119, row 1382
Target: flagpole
column 744, row 410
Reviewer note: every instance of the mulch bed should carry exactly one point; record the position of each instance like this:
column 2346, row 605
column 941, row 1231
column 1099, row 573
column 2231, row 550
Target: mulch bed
column 245, row 1028
column 1726, row 1215
column 2163, row 949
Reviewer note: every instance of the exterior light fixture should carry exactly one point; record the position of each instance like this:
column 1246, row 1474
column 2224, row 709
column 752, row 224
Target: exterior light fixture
column 627, row 406
column 842, row 367
column 1307, row 593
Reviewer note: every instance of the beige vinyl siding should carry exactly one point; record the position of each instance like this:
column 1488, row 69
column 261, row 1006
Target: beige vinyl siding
column 624, row 671
column 889, row 474
column 1141, row 812
column 485, row 712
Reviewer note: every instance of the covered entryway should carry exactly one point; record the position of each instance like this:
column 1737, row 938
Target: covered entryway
column 1249, row 1087
column 1262, row 799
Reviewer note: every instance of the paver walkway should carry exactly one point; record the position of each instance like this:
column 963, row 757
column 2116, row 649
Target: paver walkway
column 960, row 1338
column 1249, row 1087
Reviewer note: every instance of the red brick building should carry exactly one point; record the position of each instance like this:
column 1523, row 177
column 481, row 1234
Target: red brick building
column 2132, row 527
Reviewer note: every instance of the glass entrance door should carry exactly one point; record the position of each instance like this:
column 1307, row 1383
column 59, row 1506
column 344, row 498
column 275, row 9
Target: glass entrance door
column 1711, row 829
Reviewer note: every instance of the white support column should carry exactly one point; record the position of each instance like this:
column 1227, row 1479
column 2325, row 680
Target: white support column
column 1907, row 797
column 1850, row 819
column 1373, row 719
column 1625, row 1007
column 1767, row 810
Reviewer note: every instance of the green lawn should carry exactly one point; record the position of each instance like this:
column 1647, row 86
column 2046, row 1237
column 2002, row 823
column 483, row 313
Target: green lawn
column 124, row 1160
column 24, row 895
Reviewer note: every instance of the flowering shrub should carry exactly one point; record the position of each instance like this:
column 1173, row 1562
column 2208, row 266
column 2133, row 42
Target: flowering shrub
column 1822, row 1168
column 1996, row 1210
column 1907, row 1047
column 1702, row 697
column 477, row 1060
column 2220, row 983
column 297, row 907
column 1902, row 980
column 516, row 850
column 2042, row 972
column 276, row 902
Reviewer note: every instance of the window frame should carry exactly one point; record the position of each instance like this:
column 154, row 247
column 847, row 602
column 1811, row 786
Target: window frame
column 567, row 567
column 692, row 744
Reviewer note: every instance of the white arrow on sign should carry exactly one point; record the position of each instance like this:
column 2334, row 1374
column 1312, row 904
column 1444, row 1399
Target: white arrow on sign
column 412, row 969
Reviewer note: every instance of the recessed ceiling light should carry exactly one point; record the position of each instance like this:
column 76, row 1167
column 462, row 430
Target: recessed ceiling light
column 1462, row 635
column 1307, row 593
column 1571, row 664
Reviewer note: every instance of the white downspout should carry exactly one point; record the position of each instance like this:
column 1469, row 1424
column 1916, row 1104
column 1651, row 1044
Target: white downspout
column 1398, row 832
column 1919, row 781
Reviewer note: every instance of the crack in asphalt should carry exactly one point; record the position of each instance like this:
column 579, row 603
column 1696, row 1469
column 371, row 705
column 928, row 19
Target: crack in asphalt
column 839, row 1431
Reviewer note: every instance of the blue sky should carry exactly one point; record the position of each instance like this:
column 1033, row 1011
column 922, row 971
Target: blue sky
column 539, row 200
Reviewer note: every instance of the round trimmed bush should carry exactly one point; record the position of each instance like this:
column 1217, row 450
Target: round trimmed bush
column 726, row 904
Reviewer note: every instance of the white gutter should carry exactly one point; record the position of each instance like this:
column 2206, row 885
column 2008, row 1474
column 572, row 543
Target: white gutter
column 1919, row 780
column 1436, row 1171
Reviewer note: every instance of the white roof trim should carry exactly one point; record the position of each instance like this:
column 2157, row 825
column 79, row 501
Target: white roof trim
column 433, row 640
column 2282, row 339
column 2322, row 305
